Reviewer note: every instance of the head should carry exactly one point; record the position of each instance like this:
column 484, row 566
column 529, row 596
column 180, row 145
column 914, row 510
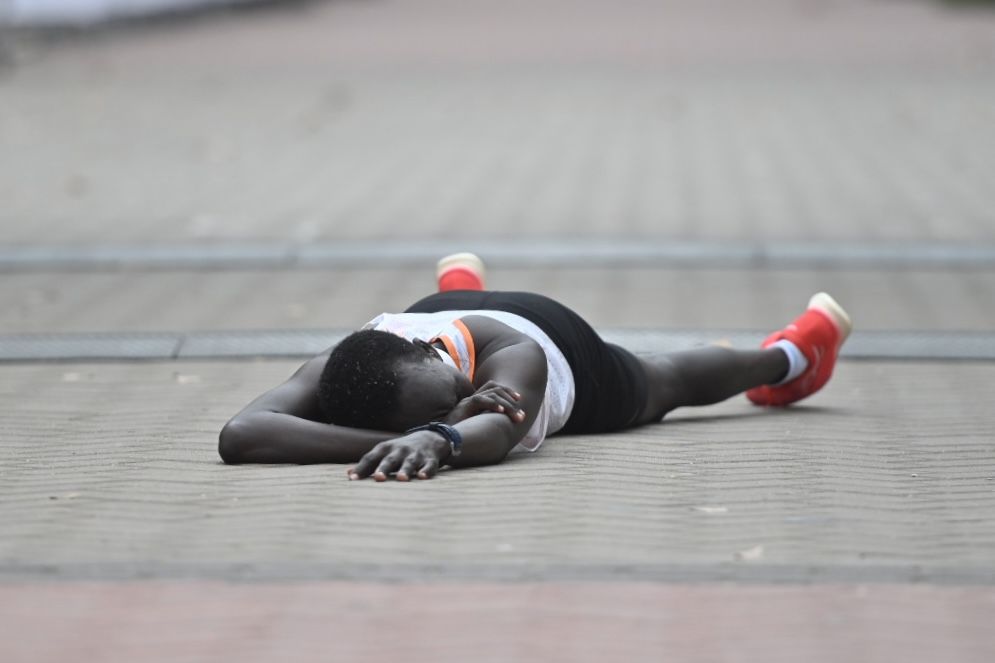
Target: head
column 375, row 379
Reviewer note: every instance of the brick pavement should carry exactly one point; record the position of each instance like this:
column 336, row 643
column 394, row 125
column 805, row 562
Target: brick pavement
column 888, row 474
column 208, row 621
column 646, row 298
column 856, row 528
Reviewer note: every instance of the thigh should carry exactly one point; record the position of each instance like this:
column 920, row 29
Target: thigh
column 611, row 388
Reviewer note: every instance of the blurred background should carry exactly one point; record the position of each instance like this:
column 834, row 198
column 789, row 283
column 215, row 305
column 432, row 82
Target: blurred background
column 197, row 165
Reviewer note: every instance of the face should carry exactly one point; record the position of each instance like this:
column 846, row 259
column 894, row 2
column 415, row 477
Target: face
column 429, row 391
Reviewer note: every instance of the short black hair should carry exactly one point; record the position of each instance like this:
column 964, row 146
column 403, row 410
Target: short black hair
column 360, row 383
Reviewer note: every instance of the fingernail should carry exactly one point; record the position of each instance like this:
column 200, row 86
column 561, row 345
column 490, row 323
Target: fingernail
column 353, row 476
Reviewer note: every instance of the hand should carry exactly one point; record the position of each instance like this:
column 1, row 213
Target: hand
column 491, row 397
column 418, row 454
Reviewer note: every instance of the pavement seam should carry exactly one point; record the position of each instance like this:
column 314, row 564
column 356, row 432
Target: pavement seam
column 737, row 572
column 500, row 253
column 896, row 345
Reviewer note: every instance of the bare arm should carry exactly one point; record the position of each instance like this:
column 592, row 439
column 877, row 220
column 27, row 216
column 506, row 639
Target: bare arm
column 488, row 437
column 284, row 426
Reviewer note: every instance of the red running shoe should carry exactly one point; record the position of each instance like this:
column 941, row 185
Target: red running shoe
column 818, row 332
column 460, row 271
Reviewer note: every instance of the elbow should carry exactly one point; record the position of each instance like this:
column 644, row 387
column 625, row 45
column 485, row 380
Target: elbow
column 231, row 442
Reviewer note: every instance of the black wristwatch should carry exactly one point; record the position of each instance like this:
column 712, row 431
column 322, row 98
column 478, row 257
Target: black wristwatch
column 445, row 430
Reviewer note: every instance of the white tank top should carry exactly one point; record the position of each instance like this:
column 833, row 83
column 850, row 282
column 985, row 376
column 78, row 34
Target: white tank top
column 447, row 326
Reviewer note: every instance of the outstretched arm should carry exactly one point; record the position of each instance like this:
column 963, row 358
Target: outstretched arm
column 518, row 364
column 284, row 426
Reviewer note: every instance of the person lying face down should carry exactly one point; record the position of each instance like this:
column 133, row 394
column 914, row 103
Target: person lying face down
column 463, row 377
column 356, row 402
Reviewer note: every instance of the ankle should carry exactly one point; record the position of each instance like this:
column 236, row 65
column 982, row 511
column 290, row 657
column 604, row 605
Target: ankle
column 797, row 363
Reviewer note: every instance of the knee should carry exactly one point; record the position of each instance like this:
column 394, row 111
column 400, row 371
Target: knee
column 230, row 442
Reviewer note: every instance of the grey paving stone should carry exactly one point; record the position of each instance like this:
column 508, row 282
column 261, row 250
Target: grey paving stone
column 827, row 124
column 497, row 622
column 887, row 475
column 260, row 344
column 89, row 346
column 109, row 256
column 303, row 344
column 560, row 252
column 620, row 298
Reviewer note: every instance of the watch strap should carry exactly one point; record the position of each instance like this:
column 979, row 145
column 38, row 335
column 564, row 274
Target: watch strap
column 452, row 435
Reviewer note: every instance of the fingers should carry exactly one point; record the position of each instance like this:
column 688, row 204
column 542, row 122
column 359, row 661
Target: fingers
column 408, row 467
column 390, row 463
column 494, row 397
column 428, row 469
column 493, row 387
column 403, row 461
column 369, row 461
column 492, row 403
column 412, row 465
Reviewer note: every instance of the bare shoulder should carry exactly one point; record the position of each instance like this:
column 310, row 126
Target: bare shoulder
column 506, row 355
column 490, row 335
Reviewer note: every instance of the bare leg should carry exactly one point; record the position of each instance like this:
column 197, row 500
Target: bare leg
column 706, row 376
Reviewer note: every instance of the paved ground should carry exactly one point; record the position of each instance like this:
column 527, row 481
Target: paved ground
column 856, row 528
column 842, row 145
column 544, row 621
column 888, row 475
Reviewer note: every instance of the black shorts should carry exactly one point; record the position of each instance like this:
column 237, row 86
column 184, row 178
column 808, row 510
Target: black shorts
column 609, row 381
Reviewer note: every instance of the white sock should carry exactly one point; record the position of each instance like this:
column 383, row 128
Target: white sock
column 797, row 363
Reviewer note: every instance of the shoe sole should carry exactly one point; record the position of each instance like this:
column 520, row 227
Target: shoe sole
column 823, row 302
column 468, row 261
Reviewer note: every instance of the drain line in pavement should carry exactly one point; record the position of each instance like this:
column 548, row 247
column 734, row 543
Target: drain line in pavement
column 536, row 252
column 888, row 345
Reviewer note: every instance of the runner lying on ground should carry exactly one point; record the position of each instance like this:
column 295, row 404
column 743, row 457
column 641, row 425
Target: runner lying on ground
column 465, row 375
